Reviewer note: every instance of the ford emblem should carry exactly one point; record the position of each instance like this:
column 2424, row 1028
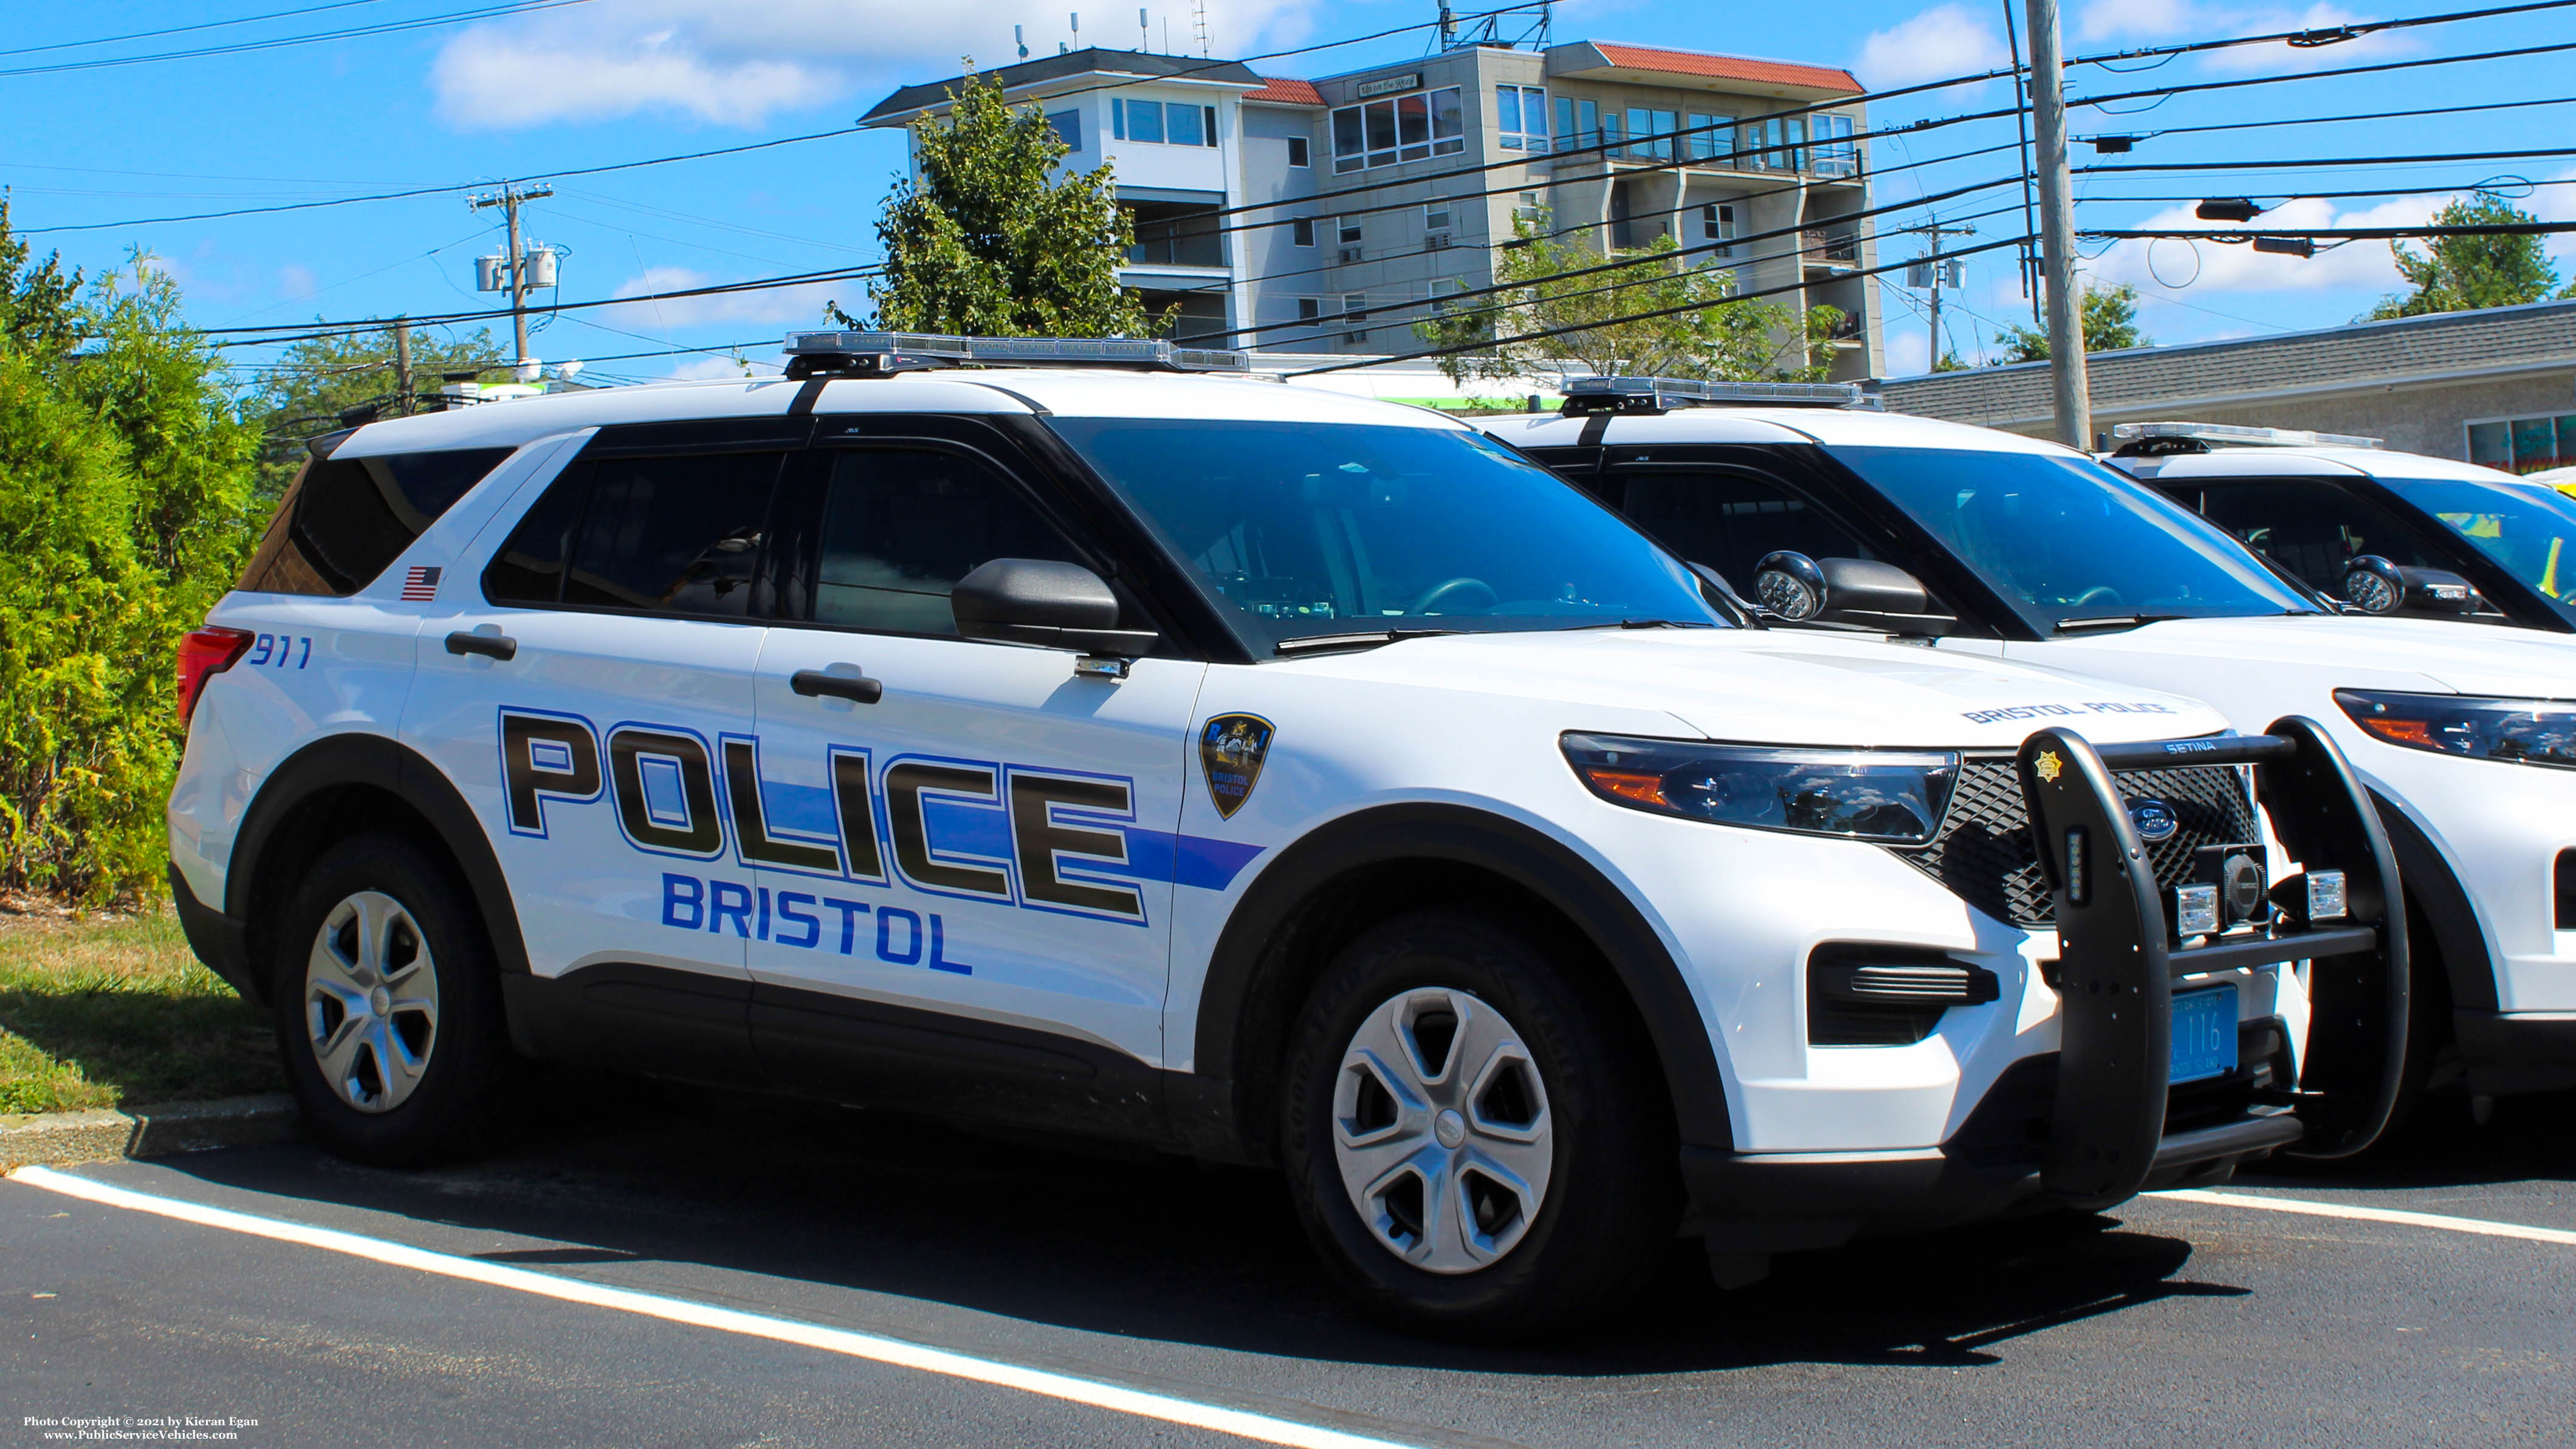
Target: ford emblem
column 2154, row 819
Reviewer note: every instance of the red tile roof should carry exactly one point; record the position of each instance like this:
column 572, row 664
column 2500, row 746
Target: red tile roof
column 1284, row 92
column 1723, row 67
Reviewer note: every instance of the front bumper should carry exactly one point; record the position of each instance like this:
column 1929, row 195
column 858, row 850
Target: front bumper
column 2099, row 1120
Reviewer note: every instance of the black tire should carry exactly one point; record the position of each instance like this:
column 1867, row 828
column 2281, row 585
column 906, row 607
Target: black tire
column 460, row 1045
column 1612, row 1198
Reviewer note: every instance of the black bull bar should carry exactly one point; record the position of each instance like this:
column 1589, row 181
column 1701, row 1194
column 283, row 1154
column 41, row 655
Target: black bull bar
column 2118, row 958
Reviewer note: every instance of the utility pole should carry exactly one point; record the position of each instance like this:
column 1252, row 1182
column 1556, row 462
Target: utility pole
column 1935, row 271
column 402, row 362
column 2057, row 230
column 508, row 199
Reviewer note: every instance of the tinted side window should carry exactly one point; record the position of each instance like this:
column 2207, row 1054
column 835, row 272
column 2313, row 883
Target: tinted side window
column 345, row 519
column 667, row 535
column 1728, row 521
column 902, row 526
column 2314, row 530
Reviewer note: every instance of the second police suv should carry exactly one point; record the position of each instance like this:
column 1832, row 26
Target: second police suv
column 1259, row 774
column 1983, row 544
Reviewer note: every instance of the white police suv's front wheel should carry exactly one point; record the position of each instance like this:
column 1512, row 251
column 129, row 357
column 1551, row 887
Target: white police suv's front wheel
column 1469, row 1135
column 387, row 1010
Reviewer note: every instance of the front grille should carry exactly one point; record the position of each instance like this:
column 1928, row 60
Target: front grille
column 1985, row 855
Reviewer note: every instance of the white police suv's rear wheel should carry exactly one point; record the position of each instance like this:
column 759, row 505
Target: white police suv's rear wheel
column 387, row 1010
column 1440, row 1128
column 1474, row 1132
column 371, row 1002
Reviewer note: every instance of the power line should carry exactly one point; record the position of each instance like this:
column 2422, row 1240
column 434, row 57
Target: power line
column 2327, row 161
column 2168, row 92
column 390, row 27
column 2341, row 233
column 314, row 331
column 2493, row 185
column 2322, row 120
column 2328, row 35
column 183, row 29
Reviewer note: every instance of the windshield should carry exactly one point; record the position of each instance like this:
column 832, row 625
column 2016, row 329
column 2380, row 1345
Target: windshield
column 2066, row 539
column 1305, row 529
column 2529, row 530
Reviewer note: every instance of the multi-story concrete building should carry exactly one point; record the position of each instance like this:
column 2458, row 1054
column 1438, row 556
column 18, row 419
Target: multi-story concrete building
column 1327, row 215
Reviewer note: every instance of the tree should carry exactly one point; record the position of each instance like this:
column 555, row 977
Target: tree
column 125, row 511
column 2458, row 273
column 987, row 242
column 318, row 379
column 1701, row 333
column 2110, row 323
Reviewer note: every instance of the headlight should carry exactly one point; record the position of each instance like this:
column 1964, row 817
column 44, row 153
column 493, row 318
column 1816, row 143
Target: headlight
column 2521, row 731
column 1890, row 797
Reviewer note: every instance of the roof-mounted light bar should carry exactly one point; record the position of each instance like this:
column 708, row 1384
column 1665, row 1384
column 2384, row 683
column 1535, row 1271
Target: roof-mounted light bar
column 2232, row 435
column 1663, row 394
column 867, row 354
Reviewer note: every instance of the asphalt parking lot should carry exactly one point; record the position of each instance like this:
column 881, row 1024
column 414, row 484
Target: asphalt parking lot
column 649, row 1266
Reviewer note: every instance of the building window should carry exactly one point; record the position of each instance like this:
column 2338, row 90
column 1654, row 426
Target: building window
column 1400, row 129
column 1355, row 306
column 1717, row 224
column 1162, row 122
column 1067, row 126
column 1310, row 309
column 1301, row 231
column 1520, row 115
column 1712, row 138
column 1435, row 216
column 1347, row 230
column 2524, row 445
column 1297, row 152
column 1578, row 124
column 1835, row 152
column 1651, row 134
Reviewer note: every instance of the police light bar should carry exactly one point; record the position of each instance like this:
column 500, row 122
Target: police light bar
column 2243, row 437
column 909, row 351
column 1659, row 394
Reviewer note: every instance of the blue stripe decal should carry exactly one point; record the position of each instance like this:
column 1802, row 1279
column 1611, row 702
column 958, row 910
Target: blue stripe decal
column 1210, row 864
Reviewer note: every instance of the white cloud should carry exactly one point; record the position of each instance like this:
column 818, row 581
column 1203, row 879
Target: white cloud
column 802, row 303
column 296, row 281
column 1945, row 40
column 2188, row 268
column 734, row 64
column 2153, row 20
column 704, row 369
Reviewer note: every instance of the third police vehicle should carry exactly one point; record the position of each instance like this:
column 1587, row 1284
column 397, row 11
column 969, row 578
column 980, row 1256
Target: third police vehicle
column 1254, row 773
column 1977, row 543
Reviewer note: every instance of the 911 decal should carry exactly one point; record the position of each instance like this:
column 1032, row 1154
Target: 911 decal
column 1012, row 835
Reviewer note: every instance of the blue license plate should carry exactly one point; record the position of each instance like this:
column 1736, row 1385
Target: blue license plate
column 2204, row 1033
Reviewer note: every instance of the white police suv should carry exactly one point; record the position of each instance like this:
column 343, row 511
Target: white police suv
column 1258, row 774
column 1988, row 545
column 2378, row 531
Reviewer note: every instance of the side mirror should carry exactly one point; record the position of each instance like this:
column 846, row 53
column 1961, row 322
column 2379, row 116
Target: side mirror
column 1861, row 593
column 1052, row 605
column 2374, row 585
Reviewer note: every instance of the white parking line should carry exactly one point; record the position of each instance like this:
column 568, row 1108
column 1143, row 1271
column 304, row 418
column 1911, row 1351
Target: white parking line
column 894, row 1352
column 2480, row 1226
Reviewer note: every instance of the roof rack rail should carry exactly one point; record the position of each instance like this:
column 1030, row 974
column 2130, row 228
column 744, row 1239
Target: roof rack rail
column 2160, row 440
column 1585, row 395
column 878, row 354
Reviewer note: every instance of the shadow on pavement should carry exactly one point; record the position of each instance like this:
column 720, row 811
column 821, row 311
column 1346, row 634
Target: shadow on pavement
column 2526, row 1140
column 1156, row 1248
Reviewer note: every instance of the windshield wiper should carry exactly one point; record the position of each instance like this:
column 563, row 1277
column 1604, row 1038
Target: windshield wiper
column 1647, row 624
column 1322, row 643
column 2111, row 621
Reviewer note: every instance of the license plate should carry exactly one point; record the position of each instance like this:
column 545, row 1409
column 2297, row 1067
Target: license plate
column 2204, row 1033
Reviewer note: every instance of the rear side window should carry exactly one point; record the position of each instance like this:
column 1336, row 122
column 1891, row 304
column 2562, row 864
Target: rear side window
column 659, row 535
column 1729, row 521
column 2314, row 530
column 344, row 519
column 901, row 527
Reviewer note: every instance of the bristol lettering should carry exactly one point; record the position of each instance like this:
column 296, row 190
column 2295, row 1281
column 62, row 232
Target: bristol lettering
column 978, row 830
column 810, row 921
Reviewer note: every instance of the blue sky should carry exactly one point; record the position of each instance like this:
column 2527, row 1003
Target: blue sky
column 601, row 81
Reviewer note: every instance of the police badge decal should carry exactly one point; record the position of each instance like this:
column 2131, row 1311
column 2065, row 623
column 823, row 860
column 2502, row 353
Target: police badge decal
column 1231, row 749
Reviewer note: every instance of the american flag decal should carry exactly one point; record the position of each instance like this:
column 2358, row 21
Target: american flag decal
column 420, row 585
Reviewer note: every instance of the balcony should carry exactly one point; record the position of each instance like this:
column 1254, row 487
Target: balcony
column 1834, row 251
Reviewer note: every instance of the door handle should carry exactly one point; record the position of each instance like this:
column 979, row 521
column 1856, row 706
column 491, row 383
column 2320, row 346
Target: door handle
column 856, row 687
column 496, row 646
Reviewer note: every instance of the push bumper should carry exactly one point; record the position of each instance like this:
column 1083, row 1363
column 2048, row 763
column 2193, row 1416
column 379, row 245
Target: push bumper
column 2088, row 1126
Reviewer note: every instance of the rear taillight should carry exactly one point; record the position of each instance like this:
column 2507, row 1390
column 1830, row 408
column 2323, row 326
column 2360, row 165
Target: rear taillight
column 203, row 654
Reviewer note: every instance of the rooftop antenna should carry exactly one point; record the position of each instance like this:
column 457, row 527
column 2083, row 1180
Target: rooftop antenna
column 1448, row 27
column 1144, row 31
column 1021, row 41
column 1199, row 27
